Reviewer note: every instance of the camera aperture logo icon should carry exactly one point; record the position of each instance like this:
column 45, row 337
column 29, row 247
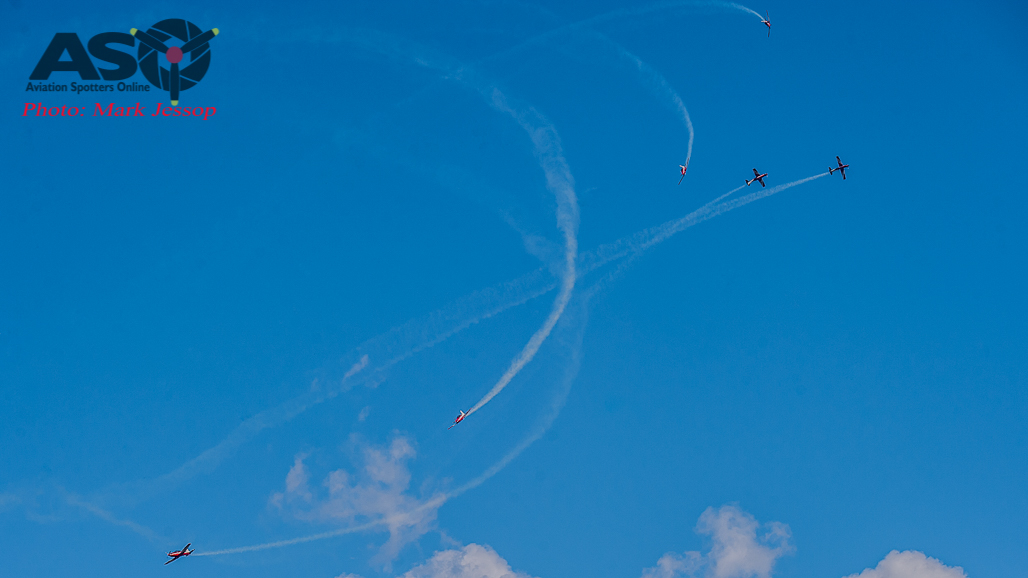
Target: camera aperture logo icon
column 168, row 42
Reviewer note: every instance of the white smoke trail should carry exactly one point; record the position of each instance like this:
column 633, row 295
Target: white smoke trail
column 660, row 87
column 561, row 183
column 648, row 237
column 744, row 9
column 660, row 6
column 302, row 539
column 654, row 235
column 619, row 15
column 634, row 245
column 77, row 501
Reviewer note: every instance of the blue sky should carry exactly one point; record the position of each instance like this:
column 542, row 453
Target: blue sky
column 256, row 328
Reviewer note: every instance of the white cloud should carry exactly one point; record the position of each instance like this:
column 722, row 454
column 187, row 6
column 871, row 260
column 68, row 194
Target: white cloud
column 472, row 561
column 740, row 548
column 296, row 479
column 672, row 565
column 910, row 564
column 737, row 552
column 375, row 493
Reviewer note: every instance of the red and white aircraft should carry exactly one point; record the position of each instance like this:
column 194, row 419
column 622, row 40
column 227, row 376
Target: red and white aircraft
column 841, row 168
column 179, row 553
column 459, row 419
column 756, row 177
column 684, row 168
column 768, row 22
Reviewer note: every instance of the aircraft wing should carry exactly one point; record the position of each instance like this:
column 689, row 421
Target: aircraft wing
column 843, row 171
column 755, row 173
column 170, row 561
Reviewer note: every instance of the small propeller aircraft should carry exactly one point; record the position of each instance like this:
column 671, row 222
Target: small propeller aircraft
column 684, row 168
column 756, row 177
column 841, row 168
column 768, row 22
column 175, row 555
column 459, row 419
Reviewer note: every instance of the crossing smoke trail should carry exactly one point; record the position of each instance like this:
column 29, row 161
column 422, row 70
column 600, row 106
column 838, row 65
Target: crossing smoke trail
column 632, row 245
column 567, row 221
column 422, row 333
column 558, row 181
column 656, row 81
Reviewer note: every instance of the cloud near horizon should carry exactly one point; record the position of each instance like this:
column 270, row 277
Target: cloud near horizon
column 475, row 561
column 471, row 561
column 910, row 564
column 740, row 547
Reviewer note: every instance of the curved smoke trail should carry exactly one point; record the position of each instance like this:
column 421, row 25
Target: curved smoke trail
column 659, row 6
column 560, row 182
column 661, row 86
column 616, row 15
column 656, row 82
